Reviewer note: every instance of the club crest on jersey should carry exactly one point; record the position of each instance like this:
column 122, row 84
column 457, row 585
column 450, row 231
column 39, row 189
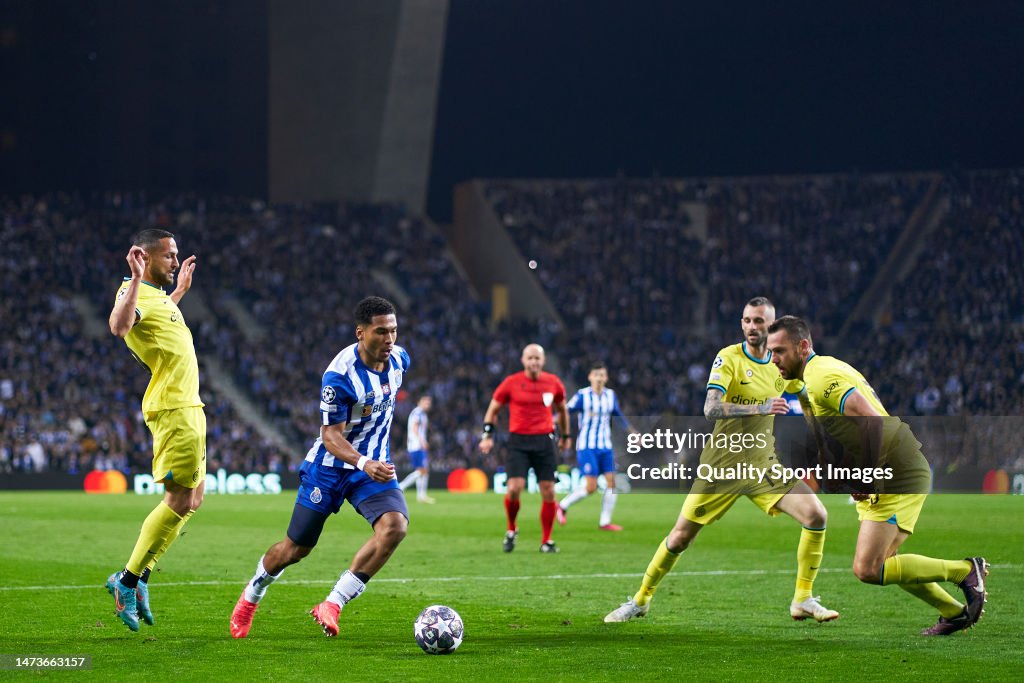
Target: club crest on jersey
column 779, row 384
column 328, row 394
column 548, row 398
column 750, row 373
column 386, row 388
column 315, row 496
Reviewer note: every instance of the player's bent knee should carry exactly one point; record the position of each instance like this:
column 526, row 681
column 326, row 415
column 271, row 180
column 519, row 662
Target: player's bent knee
column 391, row 530
column 867, row 571
column 818, row 519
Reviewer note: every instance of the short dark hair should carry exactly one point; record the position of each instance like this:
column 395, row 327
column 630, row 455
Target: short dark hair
column 598, row 365
column 372, row 306
column 795, row 327
column 760, row 301
column 150, row 237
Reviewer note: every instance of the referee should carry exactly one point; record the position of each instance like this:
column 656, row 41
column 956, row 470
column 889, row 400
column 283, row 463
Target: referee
column 530, row 395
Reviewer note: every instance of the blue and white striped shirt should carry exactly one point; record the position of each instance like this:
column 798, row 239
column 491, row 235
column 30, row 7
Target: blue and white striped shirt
column 363, row 399
column 595, row 414
column 416, row 437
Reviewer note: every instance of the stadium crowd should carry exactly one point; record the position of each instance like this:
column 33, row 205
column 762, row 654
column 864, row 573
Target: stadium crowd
column 299, row 272
column 70, row 401
column 638, row 284
column 619, row 256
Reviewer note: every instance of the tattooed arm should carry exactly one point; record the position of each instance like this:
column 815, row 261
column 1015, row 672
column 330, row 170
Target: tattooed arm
column 715, row 409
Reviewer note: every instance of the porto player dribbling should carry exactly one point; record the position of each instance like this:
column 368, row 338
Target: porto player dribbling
column 349, row 461
column 531, row 395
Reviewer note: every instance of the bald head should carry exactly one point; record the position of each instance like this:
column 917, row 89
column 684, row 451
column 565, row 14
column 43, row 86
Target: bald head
column 533, row 360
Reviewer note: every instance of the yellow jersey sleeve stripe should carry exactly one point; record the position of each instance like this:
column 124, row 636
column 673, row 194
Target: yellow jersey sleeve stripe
column 712, row 385
column 842, row 401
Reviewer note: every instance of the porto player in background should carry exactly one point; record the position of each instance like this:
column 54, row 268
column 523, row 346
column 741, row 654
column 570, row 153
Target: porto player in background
column 531, row 395
column 595, row 405
column 418, row 446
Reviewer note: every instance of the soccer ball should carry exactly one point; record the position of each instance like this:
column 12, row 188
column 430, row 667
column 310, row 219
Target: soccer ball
column 438, row 630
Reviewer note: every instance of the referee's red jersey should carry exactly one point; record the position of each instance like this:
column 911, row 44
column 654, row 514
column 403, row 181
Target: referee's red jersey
column 530, row 401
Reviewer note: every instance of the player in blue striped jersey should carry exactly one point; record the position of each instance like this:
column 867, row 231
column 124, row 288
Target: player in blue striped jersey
column 595, row 407
column 418, row 444
column 350, row 460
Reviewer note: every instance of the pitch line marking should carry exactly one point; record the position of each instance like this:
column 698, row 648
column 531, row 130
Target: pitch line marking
column 449, row 579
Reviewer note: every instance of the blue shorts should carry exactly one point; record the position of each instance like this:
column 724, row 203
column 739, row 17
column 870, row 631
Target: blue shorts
column 325, row 489
column 418, row 459
column 595, row 461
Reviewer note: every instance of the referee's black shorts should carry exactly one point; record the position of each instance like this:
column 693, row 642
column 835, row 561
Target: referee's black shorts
column 531, row 450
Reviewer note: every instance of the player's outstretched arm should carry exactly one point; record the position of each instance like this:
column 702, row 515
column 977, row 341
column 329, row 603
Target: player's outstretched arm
column 338, row 446
column 716, row 409
column 123, row 316
column 188, row 266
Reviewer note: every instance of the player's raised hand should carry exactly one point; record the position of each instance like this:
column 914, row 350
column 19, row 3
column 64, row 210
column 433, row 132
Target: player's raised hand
column 188, row 266
column 778, row 406
column 136, row 262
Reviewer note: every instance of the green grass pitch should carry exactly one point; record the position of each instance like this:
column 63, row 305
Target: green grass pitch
column 721, row 615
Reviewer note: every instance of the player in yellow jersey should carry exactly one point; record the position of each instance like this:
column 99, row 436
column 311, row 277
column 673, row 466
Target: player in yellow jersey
column 149, row 321
column 743, row 397
column 843, row 407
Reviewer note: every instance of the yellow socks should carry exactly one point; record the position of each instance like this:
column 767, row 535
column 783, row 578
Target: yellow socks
column 170, row 539
column 933, row 594
column 661, row 564
column 808, row 559
column 157, row 533
column 904, row 569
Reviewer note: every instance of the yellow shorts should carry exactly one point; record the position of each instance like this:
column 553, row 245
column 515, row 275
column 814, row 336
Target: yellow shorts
column 901, row 509
column 179, row 445
column 704, row 508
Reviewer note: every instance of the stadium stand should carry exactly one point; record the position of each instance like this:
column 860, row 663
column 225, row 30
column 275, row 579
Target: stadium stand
column 625, row 262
